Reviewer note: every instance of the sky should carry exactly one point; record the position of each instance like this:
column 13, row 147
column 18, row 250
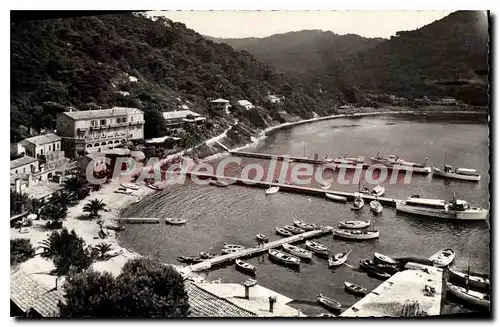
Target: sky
column 239, row 24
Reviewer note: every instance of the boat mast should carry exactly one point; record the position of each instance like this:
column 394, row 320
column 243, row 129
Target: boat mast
column 445, row 153
column 304, row 150
column 468, row 274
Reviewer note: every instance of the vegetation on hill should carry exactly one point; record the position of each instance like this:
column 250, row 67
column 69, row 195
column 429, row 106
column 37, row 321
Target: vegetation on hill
column 20, row 250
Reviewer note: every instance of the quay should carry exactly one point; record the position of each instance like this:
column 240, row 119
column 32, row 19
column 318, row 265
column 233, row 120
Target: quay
column 290, row 187
column 416, row 291
column 207, row 264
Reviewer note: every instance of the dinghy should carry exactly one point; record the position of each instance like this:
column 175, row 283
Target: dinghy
column 272, row 190
column 130, row 186
column 365, row 190
column 296, row 251
column 317, row 247
column 354, row 289
column 242, row 265
column 356, row 234
column 376, row 207
column 378, row 190
column 294, row 230
column 473, row 280
column 301, row 224
column 230, row 250
column 154, row 187
column 124, row 190
column 380, row 258
column 354, row 224
column 189, row 259
column 328, row 303
column 207, row 255
column 470, row 296
column 218, row 183
column 175, row 221
column 233, row 246
column 358, row 202
column 284, row 258
column 443, row 258
column 283, row 232
column 326, row 186
column 337, row 198
column 338, row 259
column 262, row 238
column 373, row 270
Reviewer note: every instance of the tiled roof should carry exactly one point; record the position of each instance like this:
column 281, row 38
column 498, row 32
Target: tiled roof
column 42, row 139
column 220, row 101
column 28, row 294
column 102, row 113
column 206, row 304
column 179, row 114
column 21, row 162
column 244, row 102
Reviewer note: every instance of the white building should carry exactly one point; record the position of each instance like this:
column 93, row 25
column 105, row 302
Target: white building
column 41, row 145
column 221, row 105
column 273, row 98
column 179, row 117
column 245, row 104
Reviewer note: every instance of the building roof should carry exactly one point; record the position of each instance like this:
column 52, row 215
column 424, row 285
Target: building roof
column 22, row 161
column 102, row 113
column 179, row 114
column 42, row 139
column 220, row 101
column 206, row 304
column 244, row 102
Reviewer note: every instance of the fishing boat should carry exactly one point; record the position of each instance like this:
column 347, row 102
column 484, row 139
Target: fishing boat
column 189, row 259
column 468, row 295
column 245, row 266
column 175, row 221
column 464, row 174
column 130, row 186
column 326, row 186
column 317, row 247
column 233, row 246
column 358, row 202
column 115, row 227
column 443, row 258
column 294, row 230
column 154, row 187
column 378, row 190
column 355, row 289
column 455, row 209
column 272, row 190
column 474, row 281
column 396, row 163
column 283, row 232
column 207, row 255
column 338, row 259
column 303, row 225
column 218, row 183
column 376, row 207
column 356, row 234
column 124, row 190
column 296, row 251
column 365, row 190
column 380, row 258
column 354, row 224
column 230, row 250
column 337, row 198
column 284, row 258
column 262, row 238
column 372, row 269
column 329, row 303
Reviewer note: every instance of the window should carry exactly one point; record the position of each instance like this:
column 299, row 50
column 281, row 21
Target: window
column 41, row 152
column 124, row 119
column 103, row 122
column 16, row 171
column 93, row 123
column 118, row 120
column 58, row 146
column 24, row 169
column 132, row 118
column 50, row 147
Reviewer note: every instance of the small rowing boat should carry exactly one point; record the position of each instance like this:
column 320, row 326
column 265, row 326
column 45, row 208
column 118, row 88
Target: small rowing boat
column 468, row 295
column 154, row 187
column 124, row 190
column 337, row 198
column 380, row 258
column 358, row 202
column 230, row 250
column 272, row 190
column 473, row 280
column 296, row 251
column 355, row 289
column 356, row 234
column 242, row 265
column 283, row 232
column 284, row 258
column 443, row 258
column 378, row 190
column 207, row 255
column 294, row 230
column 326, row 186
column 354, row 224
column 233, row 246
column 189, row 259
column 218, row 183
column 262, row 238
column 130, row 186
column 373, row 270
column 376, row 207
column 329, row 303
column 175, row 221
column 317, row 247
column 338, row 259
column 303, row 225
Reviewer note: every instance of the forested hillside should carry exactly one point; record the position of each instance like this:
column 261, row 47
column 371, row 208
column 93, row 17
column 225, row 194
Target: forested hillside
column 88, row 62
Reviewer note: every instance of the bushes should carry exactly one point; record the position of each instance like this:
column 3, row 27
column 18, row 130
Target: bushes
column 20, row 250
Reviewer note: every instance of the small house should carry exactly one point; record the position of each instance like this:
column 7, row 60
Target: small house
column 220, row 105
column 245, row 104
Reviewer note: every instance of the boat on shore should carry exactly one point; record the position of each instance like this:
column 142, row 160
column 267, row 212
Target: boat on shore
column 378, row 190
column 294, row 230
column 329, row 303
column 376, row 207
column 130, row 186
column 218, row 183
column 124, row 190
column 443, row 258
column 464, row 174
column 455, row 209
column 317, row 248
column 245, row 266
column 337, row 198
column 297, row 251
column 272, row 190
column 284, row 258
column 354, row 224
column 355, row 289
column 338, row 259
column 283, row 232
column 358, row 202
column 356, row 234
column 154, row 187
column 175, row 221
column 396, row 163
column 262, row 238
column 473, row 280
column 325, row 186
column 380, row 258
column 303, row 225
column 468, row 295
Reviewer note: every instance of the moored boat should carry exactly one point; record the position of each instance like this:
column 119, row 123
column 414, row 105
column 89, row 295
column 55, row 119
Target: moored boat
column 380, row 258
column 358, row 202
column 354, row 224
column 272, row 190
column 283, row 232
column 124, row 190
column 378, row 190
column 294, row 230
column 154, row 187
column 464, row 174
column 468, row 295
column 329, row 303
column 373, row 270
column 303, row 225
column 355, row 289
column 297, row 251
column 245, row 266
column 376, row 207
column 262, row 238
column 218, row 183
column 284, row 258
column 189, row 259
column 317, row 248
column 396, row 163
column 443, row 258
column 325, row 186
column 230, row 250
column 130, row 186
column 175, row 221
column 473, row 280
column 356, row 234
column 338, row 259
column 337, row 198
column 207, row 255
column 233, row 246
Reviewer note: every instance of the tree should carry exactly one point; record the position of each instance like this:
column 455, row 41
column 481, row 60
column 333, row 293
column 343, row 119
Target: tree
column 18, row 202
column 55, row 213
column 154, row 124
column 102, row 249
column 20, row 250
column 93, row 207
column 75, row 185
column 64, row 198
column 145, row 288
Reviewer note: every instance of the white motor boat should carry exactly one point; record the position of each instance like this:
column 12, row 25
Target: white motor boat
column 468, row 295
column 356, row 234
column 296, row 251
column 272, row 190
column 354, row 224
column 443, row 258
column 375, row 206
column 463, row 174
column 337, row 198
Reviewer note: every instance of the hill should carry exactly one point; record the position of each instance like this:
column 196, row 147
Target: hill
column 302, row 52
column 131, row 60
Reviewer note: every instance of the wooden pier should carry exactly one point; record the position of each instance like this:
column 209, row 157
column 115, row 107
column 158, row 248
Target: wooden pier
column 207, row 264
column 139, row 220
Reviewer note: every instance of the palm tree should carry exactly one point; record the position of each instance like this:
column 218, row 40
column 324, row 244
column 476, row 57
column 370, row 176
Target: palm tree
column 64, row 198
column 55, row 213
column 93, row 207
column 75, row 184
column 103, row 248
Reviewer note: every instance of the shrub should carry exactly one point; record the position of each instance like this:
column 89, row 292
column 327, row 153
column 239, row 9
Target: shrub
column 20, row 250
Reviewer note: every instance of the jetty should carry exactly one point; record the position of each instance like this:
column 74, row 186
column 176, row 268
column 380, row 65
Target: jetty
column 139, row 220
column 207, row 264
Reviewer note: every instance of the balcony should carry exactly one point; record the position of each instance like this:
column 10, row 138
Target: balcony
column 139, row 122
